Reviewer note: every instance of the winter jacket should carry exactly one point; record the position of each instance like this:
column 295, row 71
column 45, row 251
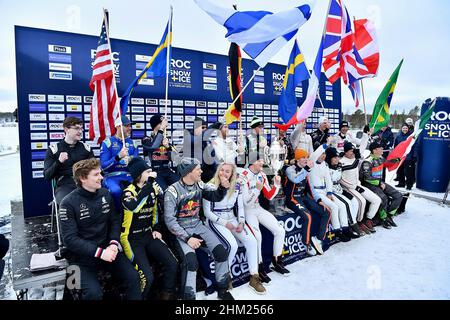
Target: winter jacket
column 350, row 167
column 301, row 140
column 89, row 222
column 297, row 184
column 321, row 177
column 386, row 139
column 225, row 150
column 109, row 154
column 182, row 205
column 372, row 170
column 158, row 155
column 340, row 140
column 319, row 138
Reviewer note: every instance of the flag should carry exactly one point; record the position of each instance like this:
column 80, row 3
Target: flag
column 405, row 147
column 233, row 113
column 156, row 67
column 307, row 107
column 381, row 117
column 103, row 108
column 261, row 34
column 366, row 43
column 341, row 58
column 296, row 72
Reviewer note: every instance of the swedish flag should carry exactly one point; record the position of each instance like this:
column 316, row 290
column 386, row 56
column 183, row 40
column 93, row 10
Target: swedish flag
column 156, row 67
column 296, row 72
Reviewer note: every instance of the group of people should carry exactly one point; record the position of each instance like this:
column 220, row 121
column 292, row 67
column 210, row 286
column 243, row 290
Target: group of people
column 129, row 214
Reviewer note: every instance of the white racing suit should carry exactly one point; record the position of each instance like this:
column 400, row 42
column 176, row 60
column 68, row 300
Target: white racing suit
column 256, row 215
column 231, row 210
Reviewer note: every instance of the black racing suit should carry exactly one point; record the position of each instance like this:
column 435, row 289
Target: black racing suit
column 62, row 172
column 319, row 138
column 160, row 158
column 303, row 199
column 142, row 208
column 89, row 224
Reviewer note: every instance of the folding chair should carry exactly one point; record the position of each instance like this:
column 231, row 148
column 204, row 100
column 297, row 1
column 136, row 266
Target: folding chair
column 55, row 216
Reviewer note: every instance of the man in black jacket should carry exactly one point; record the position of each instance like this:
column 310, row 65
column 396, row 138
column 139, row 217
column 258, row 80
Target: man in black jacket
column 61, row 157
column 321, row 135
column 90, row 229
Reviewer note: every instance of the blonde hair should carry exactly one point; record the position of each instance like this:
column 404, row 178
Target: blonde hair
column 82, row 168
column 216, row 181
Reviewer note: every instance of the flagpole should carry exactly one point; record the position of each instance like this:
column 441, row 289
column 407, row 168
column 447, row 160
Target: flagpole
column 105, row 16
column 169, row 47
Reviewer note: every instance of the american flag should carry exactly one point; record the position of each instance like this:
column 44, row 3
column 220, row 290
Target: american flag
column 341, row 58
column 103, row 109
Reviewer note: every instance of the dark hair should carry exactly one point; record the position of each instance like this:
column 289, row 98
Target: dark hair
column 137, row 180
column 82, row 168
column 71, row 121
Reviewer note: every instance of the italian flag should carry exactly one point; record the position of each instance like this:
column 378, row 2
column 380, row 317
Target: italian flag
column 404, row 148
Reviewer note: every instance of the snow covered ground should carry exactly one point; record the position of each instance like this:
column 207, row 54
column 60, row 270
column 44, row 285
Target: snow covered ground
column 408, row 262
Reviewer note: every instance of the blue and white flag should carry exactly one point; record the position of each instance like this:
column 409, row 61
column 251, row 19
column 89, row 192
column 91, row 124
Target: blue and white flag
column 261, row 34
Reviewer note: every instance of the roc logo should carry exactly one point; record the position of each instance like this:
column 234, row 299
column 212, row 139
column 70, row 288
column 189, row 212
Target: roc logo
column 180, row 74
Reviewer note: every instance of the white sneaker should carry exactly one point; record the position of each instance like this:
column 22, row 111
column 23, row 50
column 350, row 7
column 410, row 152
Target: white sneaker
column 317, row 244
column 310, row 251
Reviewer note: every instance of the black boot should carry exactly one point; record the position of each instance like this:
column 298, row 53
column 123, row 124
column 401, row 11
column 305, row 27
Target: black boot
column 386, row 224
column 223, row 294
column 391, row 222
column 341, row 236
column 262, row 274
column 278, row 266
column 349, row 232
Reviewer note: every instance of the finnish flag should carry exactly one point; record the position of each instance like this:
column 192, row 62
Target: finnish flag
column 261, row 34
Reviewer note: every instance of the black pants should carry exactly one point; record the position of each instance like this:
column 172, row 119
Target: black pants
column 63, row 190
column 406, row 173
column 146, row 249
column 305, row 218
column 166, row 177
column 121, row 269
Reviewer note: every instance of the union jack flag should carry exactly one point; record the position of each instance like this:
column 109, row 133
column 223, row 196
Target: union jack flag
column 103, row 109
column 340, row 56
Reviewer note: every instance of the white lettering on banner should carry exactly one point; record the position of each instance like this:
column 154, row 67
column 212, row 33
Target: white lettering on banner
column 137, row 100
column 209, row 80
column 440, row 116
column 55, row 126
column 59, row 75
column 60, row 66
column 137, row 109
column 38, row 116
column 87, row 99
column 59, row 49
column 151, row 102
column 36, row 97
column 56, row 117
column 37, row 164
column 73, row 99
column 38, row 136
column 209, row 66
column 182, row 64
column 56, row 135
column 55, row 98
column 151, row 109
column 201, row 103
column 258, row 73
column 39, row 145
column 74, row 108
column 38, row 126
column 207, row 86
column 136, row 117
column 38, row 174
column 329, row 93
column 277, row 76
column 177, row 103
column 189, row 103
column 329, row 98
column 177, row 110
column 300, row 89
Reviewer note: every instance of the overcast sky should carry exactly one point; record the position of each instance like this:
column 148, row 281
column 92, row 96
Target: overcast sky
column 415, row 30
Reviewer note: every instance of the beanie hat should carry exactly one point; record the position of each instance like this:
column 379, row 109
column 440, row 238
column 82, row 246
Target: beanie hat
column 136, row 166
column 330, row 154
column 374, row 145
column 155, row 120
column 198, row 122
column 323, row 119
column 186, row 166
column 217, row 125
column 344, row 124
column 300, row 153
column 255, row 122
column 348, row 146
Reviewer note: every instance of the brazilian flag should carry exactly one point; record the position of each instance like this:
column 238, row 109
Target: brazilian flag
column 381, row 116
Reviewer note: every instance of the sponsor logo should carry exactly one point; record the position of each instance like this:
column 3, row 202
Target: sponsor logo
column 151, row 102
column 143, row 58
column 56, row 135
column 162, row 102
column 209, row 66
column 74, row 108
column 138, row 133
column 259, row 85
column 38, row 174
column 147, row 82
column 189, row 111
column 137, row 100
column 56, row 117
column 180, row 73
column 136, row 117
column 179, row 126
column 189, row 103
column 439, row 126
column 178, row 118
column 212, row 104
column 177, row 110
column 60, row 66
column 36, row 97
column 60, row 75
column 73, row 99
column 212, row 111
column 163, row 110
column 38, row 126
column 36, row 107
column 137, row 109
column 201, row 103
column 87, row 108
column 39, row 145
column 151, row 109
column 38, row 136
column 87, row 99
column 37, row 155
column 59, row 49
column 201, row 111
column 210, row 73
column 258, row 79
column 55, row 126
column 139, row 125
column 56, row 107
column 37, row 164
column 209, row 80
column 177, row 103
column 329, row 98
column 56, row 57
column 259, row 91
column 223, row 105
column 212, row 87
column 55, row 98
